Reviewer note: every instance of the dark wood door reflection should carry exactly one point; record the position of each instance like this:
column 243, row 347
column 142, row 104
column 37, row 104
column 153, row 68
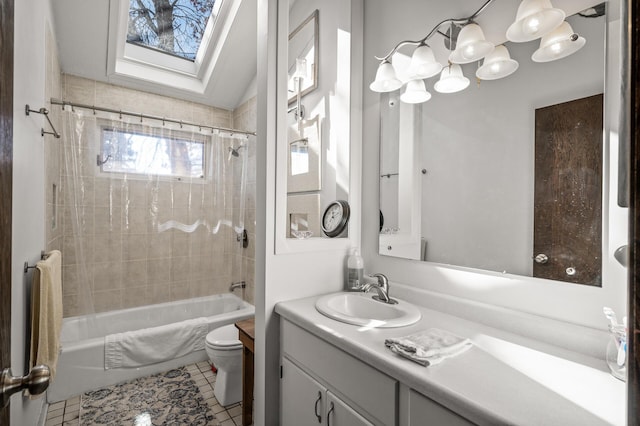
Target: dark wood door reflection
column 568, row 191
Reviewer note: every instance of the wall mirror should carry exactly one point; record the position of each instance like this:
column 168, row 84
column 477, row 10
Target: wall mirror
column 318, row 129
column 481, row 179
column 303, row 57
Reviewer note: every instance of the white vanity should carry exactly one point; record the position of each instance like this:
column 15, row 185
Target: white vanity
column 333, row 373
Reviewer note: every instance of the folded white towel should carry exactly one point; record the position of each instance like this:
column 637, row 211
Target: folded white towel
column 156, row 344
column 428, row 347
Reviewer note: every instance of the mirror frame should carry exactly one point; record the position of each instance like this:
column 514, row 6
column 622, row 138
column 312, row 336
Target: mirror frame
column 313, row 17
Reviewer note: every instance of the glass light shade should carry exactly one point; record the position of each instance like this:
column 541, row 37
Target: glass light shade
column 386, row 80
column 451, row 80
column 497, row 64
column 534, row 19
column 423, row 63
column 415, row 92
column 301, row 68
column 558, row 44
column 471, row 45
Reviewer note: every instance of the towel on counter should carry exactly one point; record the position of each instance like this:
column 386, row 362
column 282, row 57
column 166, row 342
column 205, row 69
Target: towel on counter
column 428, row 347
column 46, row 312
column 155, row 344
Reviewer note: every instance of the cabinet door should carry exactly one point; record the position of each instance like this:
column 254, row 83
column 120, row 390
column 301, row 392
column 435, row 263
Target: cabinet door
column 340, row 414
column 302, row 399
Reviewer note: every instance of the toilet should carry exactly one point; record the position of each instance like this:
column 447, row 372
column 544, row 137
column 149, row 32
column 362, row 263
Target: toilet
column 225, row 353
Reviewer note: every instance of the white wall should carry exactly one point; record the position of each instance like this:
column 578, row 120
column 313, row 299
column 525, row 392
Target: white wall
column 28, row 183
column 294, row 273
column 386, row 24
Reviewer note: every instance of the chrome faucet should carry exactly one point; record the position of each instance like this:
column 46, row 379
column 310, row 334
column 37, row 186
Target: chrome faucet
column 382, row 287
column 239, row 284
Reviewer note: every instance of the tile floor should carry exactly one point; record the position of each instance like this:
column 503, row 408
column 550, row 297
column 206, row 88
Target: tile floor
column 67, row 413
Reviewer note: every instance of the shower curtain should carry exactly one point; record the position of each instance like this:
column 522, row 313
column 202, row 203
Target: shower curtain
column 153, row 212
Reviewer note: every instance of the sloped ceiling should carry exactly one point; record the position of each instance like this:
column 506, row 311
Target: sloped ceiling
column 81, row 29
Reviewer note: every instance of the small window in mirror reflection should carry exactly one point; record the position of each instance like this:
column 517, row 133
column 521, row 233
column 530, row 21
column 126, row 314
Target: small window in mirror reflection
column 299, row 159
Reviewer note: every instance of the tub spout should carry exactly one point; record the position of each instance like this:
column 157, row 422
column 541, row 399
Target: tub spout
column 238, row 284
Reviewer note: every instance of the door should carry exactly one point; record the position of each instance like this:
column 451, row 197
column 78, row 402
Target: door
column 568, row 191
column 340, row 414
column 6, row 173
column 302, row 399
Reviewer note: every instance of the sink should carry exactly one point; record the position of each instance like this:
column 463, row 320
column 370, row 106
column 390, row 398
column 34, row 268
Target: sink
column 362, row 309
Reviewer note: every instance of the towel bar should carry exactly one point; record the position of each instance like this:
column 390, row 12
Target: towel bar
column 44, row 112
column 43, row 256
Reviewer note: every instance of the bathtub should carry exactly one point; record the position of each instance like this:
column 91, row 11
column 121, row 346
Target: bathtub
column 81, row 362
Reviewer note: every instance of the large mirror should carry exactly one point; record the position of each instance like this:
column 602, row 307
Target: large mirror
column 317, row 141
column 506, row 175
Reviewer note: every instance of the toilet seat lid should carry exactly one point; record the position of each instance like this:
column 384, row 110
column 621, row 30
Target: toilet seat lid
column 224, row 344
column 222, row 341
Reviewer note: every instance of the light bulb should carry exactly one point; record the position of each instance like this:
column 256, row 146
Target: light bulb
column 532, row 25
column 468, row 52
column 556, row 47
column 495, row 68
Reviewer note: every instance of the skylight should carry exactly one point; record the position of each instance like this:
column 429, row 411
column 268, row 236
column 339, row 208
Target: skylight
column 176, row 27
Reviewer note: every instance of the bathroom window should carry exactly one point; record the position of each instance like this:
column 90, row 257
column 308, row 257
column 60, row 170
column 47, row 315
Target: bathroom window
column 175, row 27
column 138, row 152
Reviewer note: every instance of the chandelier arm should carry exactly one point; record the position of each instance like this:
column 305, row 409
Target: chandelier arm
column 436, row 30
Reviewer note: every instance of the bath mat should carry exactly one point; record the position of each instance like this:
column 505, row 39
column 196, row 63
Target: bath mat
column 170, row 398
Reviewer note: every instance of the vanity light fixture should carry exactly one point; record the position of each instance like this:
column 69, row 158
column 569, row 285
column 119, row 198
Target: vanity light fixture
column 558, row 44
column 534, row 19
column 471, row 45
column 386, row 80
column 415, row 92
column 451, row 80
column 497, row 64
column 466, row 42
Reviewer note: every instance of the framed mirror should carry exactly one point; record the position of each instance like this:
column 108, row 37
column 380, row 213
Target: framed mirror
column 316, row 139
column 467, row 180
column 303, row 58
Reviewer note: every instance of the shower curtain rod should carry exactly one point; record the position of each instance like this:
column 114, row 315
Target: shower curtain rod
column 147, row 116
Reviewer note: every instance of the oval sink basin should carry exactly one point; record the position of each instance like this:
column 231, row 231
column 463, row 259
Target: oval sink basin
column 362, row 309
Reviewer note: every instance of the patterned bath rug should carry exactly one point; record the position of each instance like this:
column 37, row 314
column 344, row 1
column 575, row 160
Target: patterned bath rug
column 170, row 398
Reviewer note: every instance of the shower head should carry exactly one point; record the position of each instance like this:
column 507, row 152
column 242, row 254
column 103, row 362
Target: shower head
column 235, row 151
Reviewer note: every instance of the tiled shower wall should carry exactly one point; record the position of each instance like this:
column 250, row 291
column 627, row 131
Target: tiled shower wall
column 129, row 263
column 244, row 117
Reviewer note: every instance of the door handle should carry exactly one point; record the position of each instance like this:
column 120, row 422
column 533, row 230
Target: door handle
column 541, row 258
column 37, row 381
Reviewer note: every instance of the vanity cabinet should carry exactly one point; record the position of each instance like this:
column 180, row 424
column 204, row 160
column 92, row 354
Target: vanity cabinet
column 322, row 385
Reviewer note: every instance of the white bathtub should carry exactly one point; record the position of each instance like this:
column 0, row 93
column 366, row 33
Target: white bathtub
column 81, row 362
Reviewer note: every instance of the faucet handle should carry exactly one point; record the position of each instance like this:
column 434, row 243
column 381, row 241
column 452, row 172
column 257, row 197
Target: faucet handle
column 383, row 281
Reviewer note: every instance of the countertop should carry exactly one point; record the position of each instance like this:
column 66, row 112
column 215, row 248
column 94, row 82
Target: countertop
column 503, row 379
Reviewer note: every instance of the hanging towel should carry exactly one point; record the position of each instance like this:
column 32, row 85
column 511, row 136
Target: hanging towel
column 156, row 344
column 428, row 347
column 46, row 311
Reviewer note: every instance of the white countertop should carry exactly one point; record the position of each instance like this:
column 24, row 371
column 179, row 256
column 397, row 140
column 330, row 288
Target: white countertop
column 503, row 379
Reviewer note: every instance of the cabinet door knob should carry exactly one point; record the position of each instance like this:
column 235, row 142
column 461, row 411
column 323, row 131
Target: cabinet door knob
column 315, row 410
column 331, row 407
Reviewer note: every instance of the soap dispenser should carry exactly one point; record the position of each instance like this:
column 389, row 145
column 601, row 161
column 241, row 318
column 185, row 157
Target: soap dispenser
column 355, row 272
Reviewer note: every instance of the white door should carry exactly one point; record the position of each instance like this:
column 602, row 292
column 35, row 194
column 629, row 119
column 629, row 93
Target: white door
column 340, row 414
column 302, row 399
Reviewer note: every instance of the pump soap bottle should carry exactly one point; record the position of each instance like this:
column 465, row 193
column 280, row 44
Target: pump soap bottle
column 355, row 272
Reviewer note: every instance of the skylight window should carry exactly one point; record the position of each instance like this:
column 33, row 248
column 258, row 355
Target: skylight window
column 176, row 27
